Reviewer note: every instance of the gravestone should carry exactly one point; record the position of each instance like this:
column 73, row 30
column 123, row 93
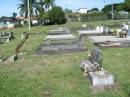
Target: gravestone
column 1, row 59
column 12, row 58
column 93, row 63
column 128, row 34
column 99, row 77
column 84, row 26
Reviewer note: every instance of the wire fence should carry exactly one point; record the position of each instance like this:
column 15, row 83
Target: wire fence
column 98, row 17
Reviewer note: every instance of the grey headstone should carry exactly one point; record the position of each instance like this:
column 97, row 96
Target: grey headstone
column 1, row 60
column 101, row 78
column 12, row 58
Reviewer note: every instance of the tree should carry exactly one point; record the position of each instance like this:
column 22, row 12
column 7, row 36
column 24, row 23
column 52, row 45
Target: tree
column 56, row 15
column 47, row 4
column 116, row 7
column 127, row 4
column 14, row 14
column 23, row 8
column 95, row 9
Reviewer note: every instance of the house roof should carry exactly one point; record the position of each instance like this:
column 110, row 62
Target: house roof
column 32, row 18
column 8, row 19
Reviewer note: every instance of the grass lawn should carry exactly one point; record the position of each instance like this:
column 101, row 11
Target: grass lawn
column 31, row 75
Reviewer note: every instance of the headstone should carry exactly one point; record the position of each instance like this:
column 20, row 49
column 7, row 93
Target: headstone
column 8, row 39
column 105, row 29
column 98, row 28
column 84, row 26
column 22, row 36
column 1, row 60
column 101, row 78
column 98, row 76
column 94, row 61
column 128, row 33
column 101, row 28
column 12, row 58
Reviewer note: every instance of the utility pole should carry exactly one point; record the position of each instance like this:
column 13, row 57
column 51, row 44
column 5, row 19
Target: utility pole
column 29, row 21
column 67, row 16
column 112, row 11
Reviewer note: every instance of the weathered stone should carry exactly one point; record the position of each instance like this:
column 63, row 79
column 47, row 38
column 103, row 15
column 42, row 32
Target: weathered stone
column 94, row 61
column 1, row 60
column 12, row 58
column 101, row 78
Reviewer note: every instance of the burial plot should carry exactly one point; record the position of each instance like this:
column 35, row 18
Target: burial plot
column 100, row 30
column 99, row 77
column 110, row 41
column 60, row 43
column 14, row 57
column 60, row 48
column 64, row 38
column 59, row 31
column 110, row 44
column 6, row 36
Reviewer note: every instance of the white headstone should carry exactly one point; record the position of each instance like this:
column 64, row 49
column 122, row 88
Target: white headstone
column 101, row 78
column 84, row 26
column 101, row 28
column 97, row 28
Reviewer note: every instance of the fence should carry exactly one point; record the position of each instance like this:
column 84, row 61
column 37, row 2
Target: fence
column 97, row 17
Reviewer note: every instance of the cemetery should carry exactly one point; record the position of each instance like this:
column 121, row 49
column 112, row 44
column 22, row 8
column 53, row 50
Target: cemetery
column 60, row 48
column 57, row 71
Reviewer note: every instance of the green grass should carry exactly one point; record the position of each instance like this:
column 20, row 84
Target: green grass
column 31, row 75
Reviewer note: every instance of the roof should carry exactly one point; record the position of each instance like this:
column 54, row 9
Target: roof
column 32, row 18
column 8, row 19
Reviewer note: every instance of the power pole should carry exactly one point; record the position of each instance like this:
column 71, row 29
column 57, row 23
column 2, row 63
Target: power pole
column 29, row 21
column 112, row 11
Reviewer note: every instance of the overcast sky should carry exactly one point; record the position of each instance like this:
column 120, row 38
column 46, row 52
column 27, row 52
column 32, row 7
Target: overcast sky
column 9, row 6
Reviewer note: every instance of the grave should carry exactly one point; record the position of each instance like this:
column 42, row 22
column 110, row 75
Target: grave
column 59, row 31
column 51, row 39
column 110, row 44
column 6, row 36
column 100, row 30
column 61, row 42
column 1, row 59
column 14, row 57
column 99, row 77
column 60, row 48
column 110, row 41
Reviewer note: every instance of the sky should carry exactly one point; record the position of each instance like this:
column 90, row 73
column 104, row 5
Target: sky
column 7, row 7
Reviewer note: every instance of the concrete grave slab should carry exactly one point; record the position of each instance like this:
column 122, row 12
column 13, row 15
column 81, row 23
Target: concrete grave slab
column 60, row 48
column 101, row 78
column 59, row 37
column 108, row 38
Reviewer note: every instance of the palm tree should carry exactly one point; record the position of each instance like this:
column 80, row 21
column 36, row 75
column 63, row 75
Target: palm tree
column 47, row 4
column 23, row 8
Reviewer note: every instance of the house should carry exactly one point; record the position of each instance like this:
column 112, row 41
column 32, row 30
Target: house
column 82, row 10
column 24, row 20
column 8, row 22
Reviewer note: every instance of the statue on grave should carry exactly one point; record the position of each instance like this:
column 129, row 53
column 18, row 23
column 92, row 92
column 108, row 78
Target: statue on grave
column 93, row 63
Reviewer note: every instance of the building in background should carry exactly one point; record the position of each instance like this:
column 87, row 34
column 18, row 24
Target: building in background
column 8, row 22
column 82, row 10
